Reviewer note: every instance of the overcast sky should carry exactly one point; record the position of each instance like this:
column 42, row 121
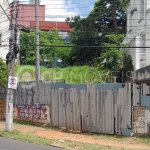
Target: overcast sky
column 58, row 10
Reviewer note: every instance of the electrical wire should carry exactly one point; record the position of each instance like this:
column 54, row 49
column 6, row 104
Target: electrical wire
column 128, row 26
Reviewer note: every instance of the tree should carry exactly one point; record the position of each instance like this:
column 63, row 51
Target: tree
column 83, row 36
column 107, row 17
column 47, row 52
column 3, row 73
column 111, row 58
column 125, row 72
column 110, row 15
column 115, row 60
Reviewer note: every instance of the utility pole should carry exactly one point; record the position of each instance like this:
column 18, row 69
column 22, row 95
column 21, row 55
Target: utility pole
column 10, row 60
column 37, row 48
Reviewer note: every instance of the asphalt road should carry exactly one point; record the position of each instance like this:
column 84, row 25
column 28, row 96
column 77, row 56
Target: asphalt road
column 8, row 144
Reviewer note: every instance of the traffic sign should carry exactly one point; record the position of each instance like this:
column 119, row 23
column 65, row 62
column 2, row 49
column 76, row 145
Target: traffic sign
column 12, row 83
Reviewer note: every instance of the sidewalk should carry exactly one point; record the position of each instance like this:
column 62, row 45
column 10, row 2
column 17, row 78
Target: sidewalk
column 22, row 128
column 78, row 137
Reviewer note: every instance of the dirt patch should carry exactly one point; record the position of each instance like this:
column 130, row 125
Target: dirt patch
column 87, row 138
column 79, row 137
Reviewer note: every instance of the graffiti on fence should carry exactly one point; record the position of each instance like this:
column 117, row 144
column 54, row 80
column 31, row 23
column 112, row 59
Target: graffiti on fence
column 141, row 120
column 35, row 113
column 2, row 108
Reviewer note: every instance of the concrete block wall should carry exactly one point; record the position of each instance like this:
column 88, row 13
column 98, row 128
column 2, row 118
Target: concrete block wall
column 35, row 113
column 141, row 120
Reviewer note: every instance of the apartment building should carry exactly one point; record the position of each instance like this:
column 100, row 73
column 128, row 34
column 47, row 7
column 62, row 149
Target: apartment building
column 138, row 32
column 4, row 28
column 26, row 17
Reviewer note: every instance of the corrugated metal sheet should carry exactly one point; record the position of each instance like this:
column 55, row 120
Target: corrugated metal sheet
column 100, row 108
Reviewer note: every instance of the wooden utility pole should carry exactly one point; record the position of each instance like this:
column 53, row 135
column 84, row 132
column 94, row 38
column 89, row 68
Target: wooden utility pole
column 37, row 48
column 10, row 60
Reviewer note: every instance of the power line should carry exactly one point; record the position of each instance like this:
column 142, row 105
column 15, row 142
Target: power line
column 91, row 46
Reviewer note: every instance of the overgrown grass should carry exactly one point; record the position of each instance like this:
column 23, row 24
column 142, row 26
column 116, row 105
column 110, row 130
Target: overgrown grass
column 143, row 139
column 35, row 124
column 27, row 123
column 16, row 135
column 79, row 75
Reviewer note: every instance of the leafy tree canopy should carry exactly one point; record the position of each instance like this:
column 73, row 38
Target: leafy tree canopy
column 83, row 36
column 110, row 15
column 47, row 52
column 96, row 30
column 3, row 73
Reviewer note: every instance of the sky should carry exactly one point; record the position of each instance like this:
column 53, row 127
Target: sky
column 58, row 10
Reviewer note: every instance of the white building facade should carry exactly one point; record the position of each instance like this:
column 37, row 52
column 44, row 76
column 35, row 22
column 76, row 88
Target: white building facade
column 4, row 28
column 138, row 32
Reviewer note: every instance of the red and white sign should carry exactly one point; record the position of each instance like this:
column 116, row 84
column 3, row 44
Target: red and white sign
column 12, row 83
